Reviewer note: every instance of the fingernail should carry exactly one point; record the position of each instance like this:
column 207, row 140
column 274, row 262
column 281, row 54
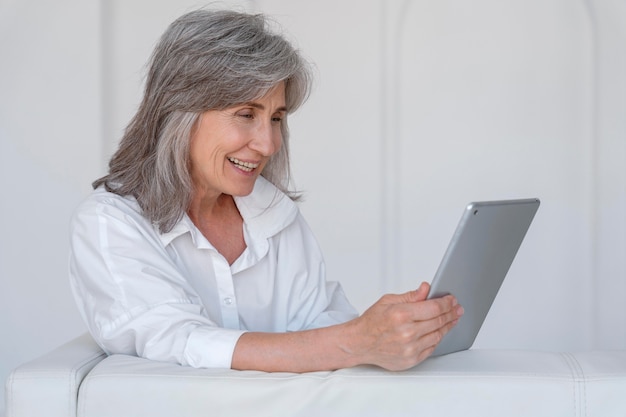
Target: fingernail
column 460, row 311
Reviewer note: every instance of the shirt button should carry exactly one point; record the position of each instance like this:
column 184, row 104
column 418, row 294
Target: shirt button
column 228, row 301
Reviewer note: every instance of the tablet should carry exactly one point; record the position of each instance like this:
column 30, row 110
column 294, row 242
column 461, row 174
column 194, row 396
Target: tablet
column 478, row 258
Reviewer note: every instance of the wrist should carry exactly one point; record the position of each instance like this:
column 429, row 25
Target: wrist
column 350, row 342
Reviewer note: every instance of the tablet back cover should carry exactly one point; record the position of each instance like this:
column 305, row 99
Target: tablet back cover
column 478, row 258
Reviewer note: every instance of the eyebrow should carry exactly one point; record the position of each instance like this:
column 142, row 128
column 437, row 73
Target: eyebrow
column 262, row 107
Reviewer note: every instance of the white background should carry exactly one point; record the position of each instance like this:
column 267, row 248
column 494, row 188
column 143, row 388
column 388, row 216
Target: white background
column 419, row 107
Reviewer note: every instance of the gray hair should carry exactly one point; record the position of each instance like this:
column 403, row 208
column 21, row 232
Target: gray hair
column 205, row 60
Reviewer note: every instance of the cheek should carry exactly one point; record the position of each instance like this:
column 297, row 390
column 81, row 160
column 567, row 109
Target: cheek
column 278, row 141
column 216, row 165
column 203, row 159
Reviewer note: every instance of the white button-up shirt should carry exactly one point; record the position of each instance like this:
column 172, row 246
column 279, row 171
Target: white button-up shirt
column 173, row 297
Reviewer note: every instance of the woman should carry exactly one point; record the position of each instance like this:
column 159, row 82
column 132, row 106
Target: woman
column 191, row 249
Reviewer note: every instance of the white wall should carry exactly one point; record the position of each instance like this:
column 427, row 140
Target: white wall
column 419, row 107
column 50, row 148
column 423, row 106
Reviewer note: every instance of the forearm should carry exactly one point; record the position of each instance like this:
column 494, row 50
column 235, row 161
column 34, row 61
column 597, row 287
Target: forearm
column 396, row 333
column 321, row 349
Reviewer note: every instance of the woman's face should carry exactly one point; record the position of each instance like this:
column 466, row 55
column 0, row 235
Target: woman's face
column 229, row 148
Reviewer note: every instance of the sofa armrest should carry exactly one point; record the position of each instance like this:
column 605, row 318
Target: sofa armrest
column 481, row 383
column 49, row 385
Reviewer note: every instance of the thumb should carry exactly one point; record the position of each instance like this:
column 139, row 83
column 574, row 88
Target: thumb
column 419, row 294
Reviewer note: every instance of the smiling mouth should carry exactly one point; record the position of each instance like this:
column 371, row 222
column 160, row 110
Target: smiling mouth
column 244, row 166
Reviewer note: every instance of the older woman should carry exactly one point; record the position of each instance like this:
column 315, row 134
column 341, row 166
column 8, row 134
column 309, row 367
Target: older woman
column 191, row 249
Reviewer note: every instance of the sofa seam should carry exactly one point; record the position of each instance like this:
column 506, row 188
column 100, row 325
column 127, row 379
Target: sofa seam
column 578, row 384
column 567, row 377
column 582, row 380
column 9, row 388
column 74, row 387
column 15, row 378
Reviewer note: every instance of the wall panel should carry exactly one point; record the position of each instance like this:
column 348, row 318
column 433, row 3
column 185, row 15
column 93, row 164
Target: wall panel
column 496, row 102
column 609, row 251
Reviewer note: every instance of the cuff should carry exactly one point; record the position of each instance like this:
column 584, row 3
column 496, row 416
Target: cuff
column 211, row 347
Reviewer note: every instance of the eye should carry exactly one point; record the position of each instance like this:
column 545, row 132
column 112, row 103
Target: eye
column 277, row 118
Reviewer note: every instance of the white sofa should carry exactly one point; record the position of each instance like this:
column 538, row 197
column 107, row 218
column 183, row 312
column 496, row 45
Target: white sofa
column 78, row 379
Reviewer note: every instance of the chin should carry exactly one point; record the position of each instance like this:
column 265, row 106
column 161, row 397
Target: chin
column 241, row 191
column 240, row 187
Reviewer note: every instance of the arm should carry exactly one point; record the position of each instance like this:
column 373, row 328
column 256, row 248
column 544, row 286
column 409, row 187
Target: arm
column 396, row 333
column 133, row 297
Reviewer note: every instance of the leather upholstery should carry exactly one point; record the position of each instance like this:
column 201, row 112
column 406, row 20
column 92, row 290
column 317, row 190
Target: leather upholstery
column 48, row 386
column 470, row 383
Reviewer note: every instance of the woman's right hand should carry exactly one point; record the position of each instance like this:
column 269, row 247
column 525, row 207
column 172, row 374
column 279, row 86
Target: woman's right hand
column 397, row 332
column 401, row 330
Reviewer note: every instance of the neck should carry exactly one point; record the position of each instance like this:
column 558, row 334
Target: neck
column 220, row 222
column 204, row 207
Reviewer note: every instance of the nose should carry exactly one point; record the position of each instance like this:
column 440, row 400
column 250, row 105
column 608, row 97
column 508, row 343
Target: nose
column 267, row 139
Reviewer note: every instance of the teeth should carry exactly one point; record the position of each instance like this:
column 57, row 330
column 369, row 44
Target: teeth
column 246, row 166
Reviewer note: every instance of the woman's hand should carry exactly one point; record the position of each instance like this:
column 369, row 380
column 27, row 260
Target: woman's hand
column 401, row 330
column 397, row 332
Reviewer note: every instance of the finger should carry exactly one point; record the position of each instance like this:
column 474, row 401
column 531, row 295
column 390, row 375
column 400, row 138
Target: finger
column 442, row 323
column 422, row 292
column 428, row 342
column 429, row 309
column 433, row 338
column 408, row 297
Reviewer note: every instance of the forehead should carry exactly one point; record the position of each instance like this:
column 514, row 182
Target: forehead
column 273, row 99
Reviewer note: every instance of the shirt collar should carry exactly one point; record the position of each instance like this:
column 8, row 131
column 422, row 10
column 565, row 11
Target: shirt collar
column 184, row 225
column 265, row 212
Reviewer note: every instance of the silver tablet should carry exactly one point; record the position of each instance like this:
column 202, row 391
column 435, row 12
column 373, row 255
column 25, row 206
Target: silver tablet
column 476, row 262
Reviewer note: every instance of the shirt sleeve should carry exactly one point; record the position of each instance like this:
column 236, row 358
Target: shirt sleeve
column 131, row 295
column 314, row 301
